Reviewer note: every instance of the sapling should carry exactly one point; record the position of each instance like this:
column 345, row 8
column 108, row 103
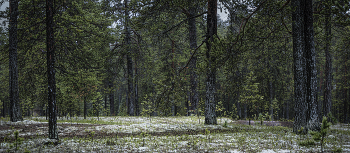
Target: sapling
column 207, row 132
column 17, row 141
column 322, row 134
column 92, row 135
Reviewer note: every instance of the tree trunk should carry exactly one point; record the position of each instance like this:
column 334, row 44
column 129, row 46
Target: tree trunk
column 327, row 103
column 15, row 109
column 305, row 73
column 53, row 134
column 311, row 69
column 193, row 68
column 210, row 115
column 300, row 107
column 271, row 99
column 85, row 107
column 111, row 99
column 105, row 100
column 131, row 106
column 137, row 107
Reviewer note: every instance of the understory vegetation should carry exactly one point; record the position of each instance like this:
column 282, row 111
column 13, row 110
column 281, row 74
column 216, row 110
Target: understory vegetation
column 164, row 134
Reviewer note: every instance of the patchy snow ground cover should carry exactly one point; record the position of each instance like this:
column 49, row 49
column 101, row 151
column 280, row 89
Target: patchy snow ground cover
column 161, row 134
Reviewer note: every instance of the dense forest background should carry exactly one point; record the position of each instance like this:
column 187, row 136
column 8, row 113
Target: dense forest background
column 150, row 57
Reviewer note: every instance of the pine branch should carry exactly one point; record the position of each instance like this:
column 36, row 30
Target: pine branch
column 164, row 32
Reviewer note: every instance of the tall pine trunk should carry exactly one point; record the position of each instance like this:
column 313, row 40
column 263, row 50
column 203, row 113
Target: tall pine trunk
column 210, row 115
column 327, row 103
column 15, row 109
column 311, row 69
column 131, row 105
column 50, row 45
column 300, row 106
column 305, row 73
column 193, row 44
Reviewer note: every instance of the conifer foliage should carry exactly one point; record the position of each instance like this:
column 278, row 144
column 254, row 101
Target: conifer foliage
column 281, row 59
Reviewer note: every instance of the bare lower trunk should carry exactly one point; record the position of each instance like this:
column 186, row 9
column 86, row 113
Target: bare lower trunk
column 137, row 108
column 85, row 107
column 131, row 108
column 271, row 99
column 15, row 109
column 130, row 95
column 111, row 102
column 327, row 103
column 193, row 76
column 53, row 133
column 210, row 115
column 305, row 73
column 311, row 69
column 300, row 107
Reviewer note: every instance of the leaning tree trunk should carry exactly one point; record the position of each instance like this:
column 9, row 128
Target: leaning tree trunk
column 50, row 43
column 210, row 115
column 15, row 109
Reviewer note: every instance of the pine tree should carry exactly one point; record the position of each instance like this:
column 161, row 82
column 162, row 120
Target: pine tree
column 210, row 101
column 50, row 46
column 15, row 109
column 305, row 83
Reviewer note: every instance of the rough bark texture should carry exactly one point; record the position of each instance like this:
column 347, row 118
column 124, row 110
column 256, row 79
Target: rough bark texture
column 193, row 44
column 131, row 106
column 311, row 70
column 305, row 73
column 299, row 62
column 210, row 115
column 15, row 109
column 327, row 103
column 50, row 43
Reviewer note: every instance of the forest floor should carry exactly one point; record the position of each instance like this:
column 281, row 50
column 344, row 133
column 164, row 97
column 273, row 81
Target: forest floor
column 164, row 134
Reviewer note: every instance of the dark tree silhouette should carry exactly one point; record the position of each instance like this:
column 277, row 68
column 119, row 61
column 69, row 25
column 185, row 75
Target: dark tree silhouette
column 210, row 116
column 50, row 45
column 15, row 109
column 305, row 73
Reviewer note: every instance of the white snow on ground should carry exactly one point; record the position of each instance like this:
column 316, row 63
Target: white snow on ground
column 272, row 141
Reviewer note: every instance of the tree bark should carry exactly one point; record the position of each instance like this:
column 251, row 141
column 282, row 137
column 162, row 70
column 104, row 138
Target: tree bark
column 50, row 44
column 193, row 44
column 305, row 73
column 327, row 103
column 311, row 69
column 210, row 115
column 131, row 106
column 300, row 107
column 15, row 109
